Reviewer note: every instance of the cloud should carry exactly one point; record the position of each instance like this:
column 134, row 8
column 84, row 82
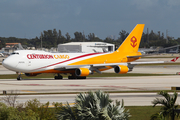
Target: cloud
column 173, row 2
column 144, row 4
column 78, row 10
column 28, row 3
column 102, row 17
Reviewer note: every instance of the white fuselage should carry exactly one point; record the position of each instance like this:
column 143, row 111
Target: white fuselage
column 28, row 61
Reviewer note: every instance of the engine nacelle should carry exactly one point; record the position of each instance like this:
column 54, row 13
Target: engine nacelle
column 121, row 69
column 82, row 72
column 31, row 74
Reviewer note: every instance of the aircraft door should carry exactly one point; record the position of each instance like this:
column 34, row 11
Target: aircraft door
column 21, row 65
column 29, row 63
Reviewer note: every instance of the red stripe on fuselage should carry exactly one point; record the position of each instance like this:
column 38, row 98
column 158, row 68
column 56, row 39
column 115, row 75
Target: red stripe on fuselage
column 69, row 60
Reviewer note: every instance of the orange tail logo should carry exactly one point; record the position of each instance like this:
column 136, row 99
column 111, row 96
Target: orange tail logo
column 133, row 41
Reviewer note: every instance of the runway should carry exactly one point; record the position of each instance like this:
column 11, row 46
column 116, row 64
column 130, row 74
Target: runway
column 104, row 83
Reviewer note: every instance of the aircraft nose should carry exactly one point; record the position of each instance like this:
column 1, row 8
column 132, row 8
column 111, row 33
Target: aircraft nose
column 9, row 64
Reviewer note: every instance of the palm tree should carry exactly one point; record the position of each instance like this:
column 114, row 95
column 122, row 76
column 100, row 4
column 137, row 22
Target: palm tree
column 168, row 105
column 158, row 116
column 66, row 112
column 98, row 105
column 94, row 106
column 117, row 111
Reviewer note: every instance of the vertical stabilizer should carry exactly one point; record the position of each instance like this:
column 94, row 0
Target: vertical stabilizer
column 131, row 43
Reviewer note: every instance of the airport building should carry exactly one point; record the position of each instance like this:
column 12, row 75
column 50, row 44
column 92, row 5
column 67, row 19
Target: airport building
column 11, row 47
column 171, row 49
column 86, row 47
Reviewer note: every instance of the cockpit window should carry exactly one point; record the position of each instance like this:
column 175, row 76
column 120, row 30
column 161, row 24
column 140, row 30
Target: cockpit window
column 15, row 53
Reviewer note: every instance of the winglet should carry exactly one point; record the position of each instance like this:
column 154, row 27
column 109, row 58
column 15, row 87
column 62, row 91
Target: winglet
column 174, row 60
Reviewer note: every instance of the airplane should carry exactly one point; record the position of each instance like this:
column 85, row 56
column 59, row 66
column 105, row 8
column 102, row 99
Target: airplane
column 2, row 55
column 79, row 65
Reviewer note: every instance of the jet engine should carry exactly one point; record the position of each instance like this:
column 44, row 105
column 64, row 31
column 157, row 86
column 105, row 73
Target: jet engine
column 31, row 74
column 121, row 69
column 82, row 72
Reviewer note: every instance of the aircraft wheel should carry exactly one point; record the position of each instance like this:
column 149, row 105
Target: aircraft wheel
column 19, row 78
column 81, row 77
column 71, row 77
column 58, row 77
column 76, row 77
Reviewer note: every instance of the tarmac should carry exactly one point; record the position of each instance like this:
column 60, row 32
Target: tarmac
column 146, row 83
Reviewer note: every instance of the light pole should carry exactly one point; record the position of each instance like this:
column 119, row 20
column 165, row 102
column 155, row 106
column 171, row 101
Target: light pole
column 41, row 40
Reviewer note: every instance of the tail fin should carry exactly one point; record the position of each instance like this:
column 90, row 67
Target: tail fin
column 131, row 43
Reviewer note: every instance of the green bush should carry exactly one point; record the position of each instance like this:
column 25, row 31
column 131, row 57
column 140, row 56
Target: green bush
column 33, row 110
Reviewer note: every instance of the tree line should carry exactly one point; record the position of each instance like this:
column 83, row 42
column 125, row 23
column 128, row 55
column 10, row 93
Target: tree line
column 51, row 38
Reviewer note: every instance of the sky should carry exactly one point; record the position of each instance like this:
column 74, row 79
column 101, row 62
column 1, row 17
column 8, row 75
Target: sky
column 104, row 18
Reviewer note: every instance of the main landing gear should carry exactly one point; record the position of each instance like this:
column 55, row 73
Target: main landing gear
column 58, row 77
column 76, row 77
column 73, row 76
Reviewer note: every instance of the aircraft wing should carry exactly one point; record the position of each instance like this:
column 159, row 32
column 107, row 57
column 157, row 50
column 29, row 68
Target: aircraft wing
column 92, row 67
column 86, row 66
column 96, row 67
column 65, row 67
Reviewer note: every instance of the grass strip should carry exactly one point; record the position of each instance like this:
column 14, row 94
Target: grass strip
column 142, row 112
column 50, row 75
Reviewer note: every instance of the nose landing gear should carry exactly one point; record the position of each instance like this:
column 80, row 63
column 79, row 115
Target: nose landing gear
column 19, row 76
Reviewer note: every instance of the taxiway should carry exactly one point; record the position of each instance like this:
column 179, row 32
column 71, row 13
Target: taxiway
column 106, row 84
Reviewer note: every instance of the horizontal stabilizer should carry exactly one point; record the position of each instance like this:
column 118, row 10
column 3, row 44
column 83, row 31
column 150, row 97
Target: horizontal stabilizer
column 154, row 62
column 174, row 60
column 137, row 56
column 144, row 55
